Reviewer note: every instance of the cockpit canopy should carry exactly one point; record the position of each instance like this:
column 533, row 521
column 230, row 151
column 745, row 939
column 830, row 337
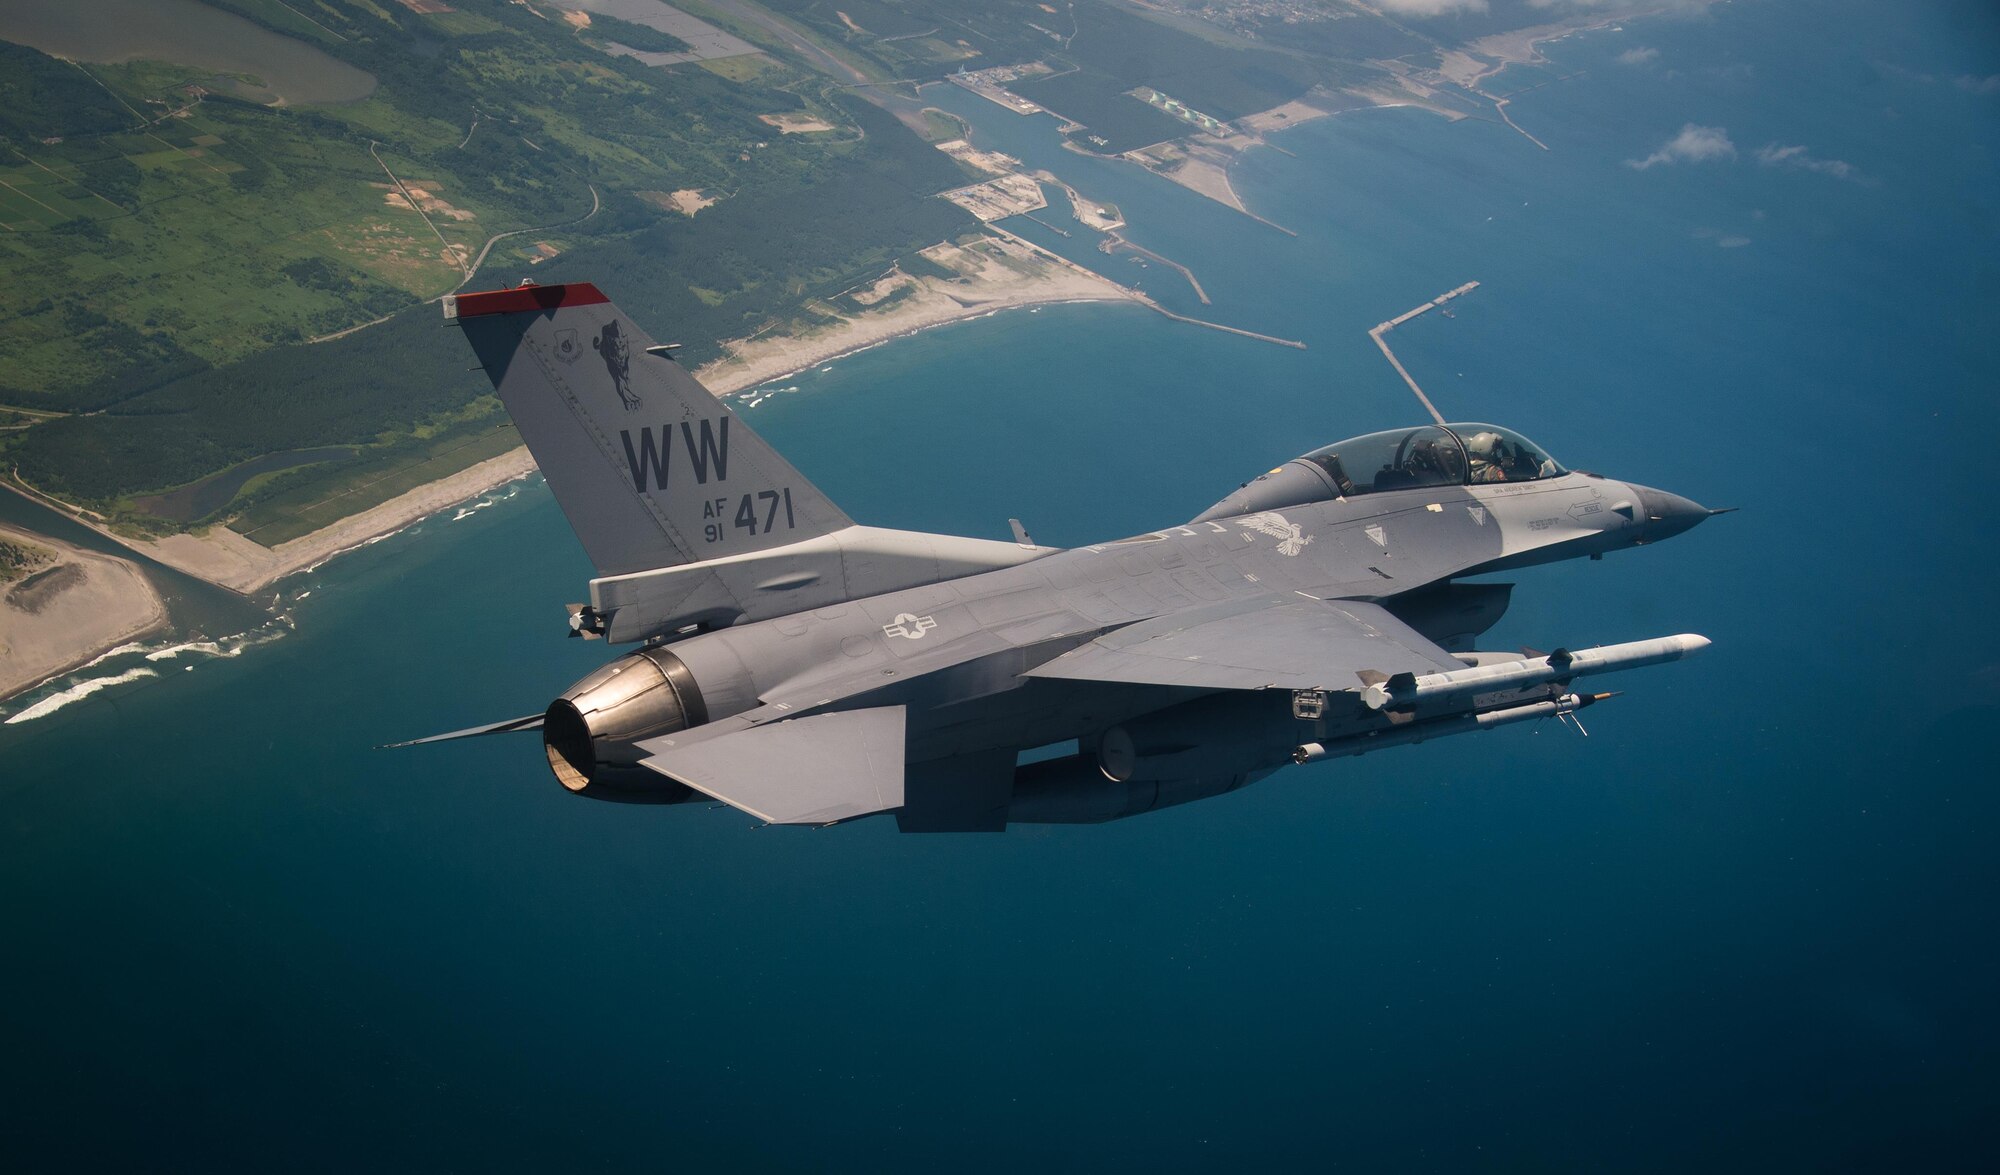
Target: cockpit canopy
column 1400, row 459
column 1454, row 454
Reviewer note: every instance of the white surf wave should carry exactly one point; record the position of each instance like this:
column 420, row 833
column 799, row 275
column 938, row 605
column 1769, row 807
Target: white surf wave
column 228, row 646
column 209, row 648
column 77, row 693
column 468, row 509
column 108, row 654
column 367, row 542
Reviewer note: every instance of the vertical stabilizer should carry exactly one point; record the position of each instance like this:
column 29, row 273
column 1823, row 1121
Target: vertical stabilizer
column 651, row 470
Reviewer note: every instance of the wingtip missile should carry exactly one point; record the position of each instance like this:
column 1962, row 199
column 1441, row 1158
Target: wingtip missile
column 1562, row 664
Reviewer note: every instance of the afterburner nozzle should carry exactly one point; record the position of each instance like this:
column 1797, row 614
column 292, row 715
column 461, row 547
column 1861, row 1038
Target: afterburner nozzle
column 590, row 731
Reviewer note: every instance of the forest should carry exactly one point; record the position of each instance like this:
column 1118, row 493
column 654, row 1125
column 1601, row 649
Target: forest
column 767, row 251
column 248, row 231
column 189, row 287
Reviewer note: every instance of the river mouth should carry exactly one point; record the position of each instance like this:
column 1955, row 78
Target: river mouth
column 186, row 32
column 193, row 605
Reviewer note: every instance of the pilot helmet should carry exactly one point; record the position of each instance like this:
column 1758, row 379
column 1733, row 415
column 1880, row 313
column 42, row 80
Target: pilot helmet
column 1482, row 444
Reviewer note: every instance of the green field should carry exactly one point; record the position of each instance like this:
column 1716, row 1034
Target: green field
column 298, row 502
column 177, row 252
column 1115, row 47
column 199, row 280
column 161, row 239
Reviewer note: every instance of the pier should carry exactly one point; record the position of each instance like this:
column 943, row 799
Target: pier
column 1382, row 329
column 1061, row 232
column 1113, row 242
column 1234, row 330
column 1500, row 106
column 1143, row 300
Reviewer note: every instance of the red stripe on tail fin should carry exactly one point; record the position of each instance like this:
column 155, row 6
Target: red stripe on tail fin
column 522, row 299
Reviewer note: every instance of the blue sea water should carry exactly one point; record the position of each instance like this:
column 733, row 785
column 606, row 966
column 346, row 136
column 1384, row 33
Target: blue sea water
column 1746, row 925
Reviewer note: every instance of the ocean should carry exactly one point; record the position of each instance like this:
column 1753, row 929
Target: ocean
column 1745, row 925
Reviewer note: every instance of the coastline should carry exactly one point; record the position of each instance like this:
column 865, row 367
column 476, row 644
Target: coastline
column 1463, row 66
column 999, row 272
column 996, row 273
column 1202, row 162
column 89, row 605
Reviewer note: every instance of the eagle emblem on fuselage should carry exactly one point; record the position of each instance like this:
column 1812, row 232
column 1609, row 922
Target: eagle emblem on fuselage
column 1291, row 539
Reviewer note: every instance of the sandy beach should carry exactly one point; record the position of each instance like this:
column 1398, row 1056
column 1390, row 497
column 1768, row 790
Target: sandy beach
column 994, row 274
column 1483, row 58
column 221, row 556
column 998, row 273
column 69, row 612
column 1202, row 162
column 113, row 602
column 1199, row 163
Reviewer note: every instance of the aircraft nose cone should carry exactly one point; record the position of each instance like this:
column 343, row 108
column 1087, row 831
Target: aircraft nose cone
column 1668, row 514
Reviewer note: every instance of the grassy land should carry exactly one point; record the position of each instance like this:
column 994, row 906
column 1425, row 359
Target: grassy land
column 1114, row 47
column 165, row 228
column 298, row 502
column 942, row 126
column 644, row 38
column 177, row 254
column 176, row 249
column 19, row 560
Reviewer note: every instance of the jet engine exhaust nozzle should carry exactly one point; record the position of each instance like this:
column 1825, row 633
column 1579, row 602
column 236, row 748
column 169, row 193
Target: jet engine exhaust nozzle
column 588, row 732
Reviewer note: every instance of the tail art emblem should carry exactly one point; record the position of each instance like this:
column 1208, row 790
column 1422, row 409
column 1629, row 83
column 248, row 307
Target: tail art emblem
column 617, row 354
column 567, row 349
column 1291, row 539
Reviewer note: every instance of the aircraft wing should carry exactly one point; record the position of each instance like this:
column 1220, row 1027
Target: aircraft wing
column 812, row 770
column 1267, row 642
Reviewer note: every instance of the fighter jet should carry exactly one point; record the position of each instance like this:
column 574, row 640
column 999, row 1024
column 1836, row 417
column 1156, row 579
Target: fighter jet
column 809, row 670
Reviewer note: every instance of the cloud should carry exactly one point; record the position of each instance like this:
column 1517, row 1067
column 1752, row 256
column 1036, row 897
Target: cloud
column 1722, row 240
column 1773, row 155
column 1695, row 144
column 1990, row 84
column 1639, row 56
column 1430, row 7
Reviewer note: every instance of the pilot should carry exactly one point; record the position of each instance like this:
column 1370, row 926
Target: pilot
column 1489, row 457
column 1424, row 463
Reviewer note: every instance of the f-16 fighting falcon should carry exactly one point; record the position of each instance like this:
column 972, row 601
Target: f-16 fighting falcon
column 809, row 670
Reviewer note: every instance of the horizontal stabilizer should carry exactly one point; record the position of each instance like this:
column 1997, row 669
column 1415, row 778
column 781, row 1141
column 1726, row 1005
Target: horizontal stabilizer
column 1265, row 642
column 525, row 722
column 813, row 770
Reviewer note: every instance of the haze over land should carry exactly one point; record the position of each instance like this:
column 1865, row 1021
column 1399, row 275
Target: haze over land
column 229, row 217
